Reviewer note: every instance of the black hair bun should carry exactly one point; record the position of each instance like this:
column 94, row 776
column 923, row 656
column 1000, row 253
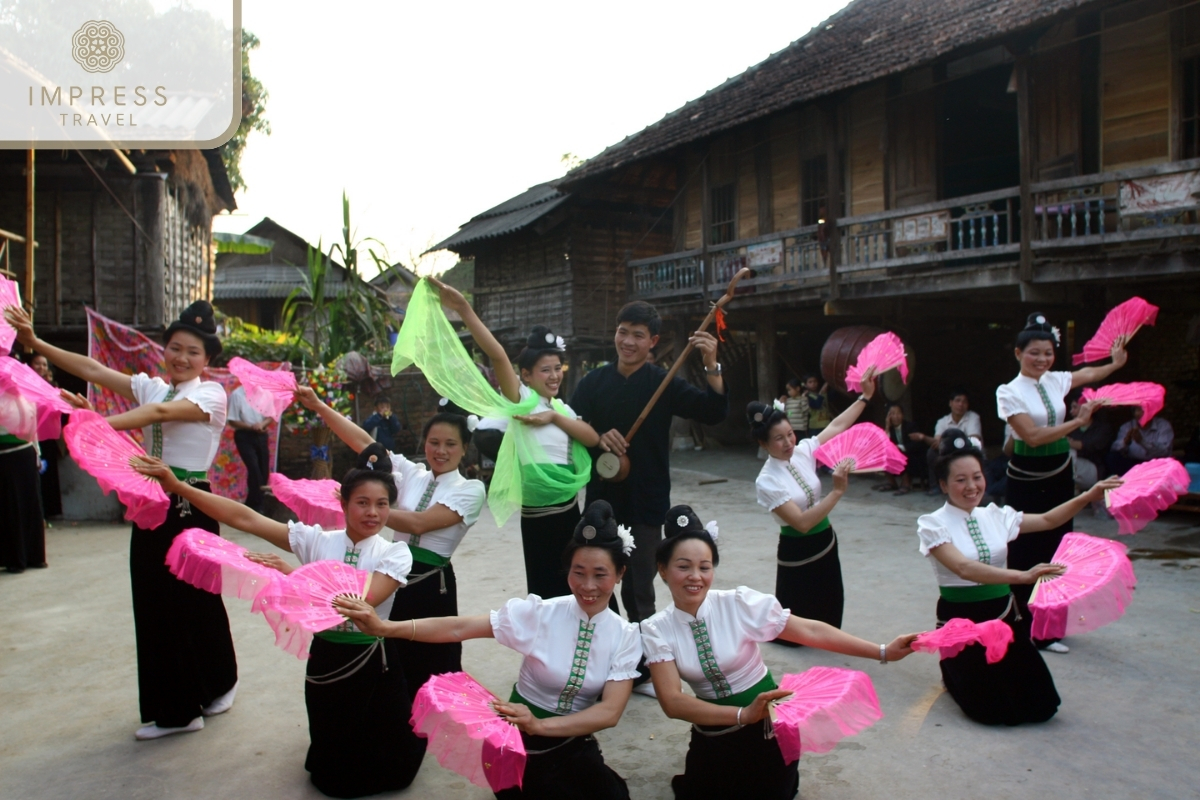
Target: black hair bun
column 955, row 442
column 197, row 319
column 1037, row 321
column 597, row 526
column 757, row 413
column 382, row 459
column 542, row 338
column 681, row 519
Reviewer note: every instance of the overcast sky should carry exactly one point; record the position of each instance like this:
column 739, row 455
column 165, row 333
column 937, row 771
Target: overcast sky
column 429, row 113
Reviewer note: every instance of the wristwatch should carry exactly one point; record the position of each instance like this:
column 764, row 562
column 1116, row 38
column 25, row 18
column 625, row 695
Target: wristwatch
column 715, row 371
column 862, row 398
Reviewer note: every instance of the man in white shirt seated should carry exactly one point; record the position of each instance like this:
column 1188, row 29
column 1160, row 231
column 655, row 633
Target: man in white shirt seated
column 961, row 417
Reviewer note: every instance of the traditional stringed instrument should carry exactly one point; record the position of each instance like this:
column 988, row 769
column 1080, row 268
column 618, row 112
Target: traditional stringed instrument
column 613, row 468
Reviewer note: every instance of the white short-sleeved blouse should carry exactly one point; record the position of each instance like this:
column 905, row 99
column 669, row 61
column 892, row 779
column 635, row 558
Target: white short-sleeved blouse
column 995, row 527
column 373, row 554
column 452, row 491
column 729, row 624
column 553, row 439
column 1021, row 396
column 776, row 485
column 185, row 445
column 568, row 658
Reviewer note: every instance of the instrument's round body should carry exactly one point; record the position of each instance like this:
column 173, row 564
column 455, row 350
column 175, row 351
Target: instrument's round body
column 613, row 468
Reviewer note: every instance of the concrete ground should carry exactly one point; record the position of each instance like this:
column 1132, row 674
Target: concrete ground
column 1127, row 726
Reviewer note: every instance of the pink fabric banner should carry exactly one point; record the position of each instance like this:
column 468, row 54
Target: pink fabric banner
column 129, row 351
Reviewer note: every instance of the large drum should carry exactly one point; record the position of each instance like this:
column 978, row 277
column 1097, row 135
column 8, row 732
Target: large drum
column 841, row 351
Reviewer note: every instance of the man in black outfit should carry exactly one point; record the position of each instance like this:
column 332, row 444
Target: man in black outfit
column 610, row 399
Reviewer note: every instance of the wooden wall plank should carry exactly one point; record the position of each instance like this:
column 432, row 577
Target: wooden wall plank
column 866, row 151
column 786, row 144
column 1135, row 91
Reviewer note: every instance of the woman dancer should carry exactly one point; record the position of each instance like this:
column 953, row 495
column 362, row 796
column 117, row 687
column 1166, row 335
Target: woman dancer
column 1039, row 474
column 809, row 575
column 435, row 508
column 348, row 686
column 969, row 546
column 580, row 662
column 186, row 665
column 555, row 477
column 710, row 639
column 22, row 525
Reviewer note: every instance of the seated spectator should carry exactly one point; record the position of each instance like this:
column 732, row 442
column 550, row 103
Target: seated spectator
column 995, row 470
column 961, row 417
column 900, row 431
column 1089, row 445
column 1135, row 443
column 382, row 426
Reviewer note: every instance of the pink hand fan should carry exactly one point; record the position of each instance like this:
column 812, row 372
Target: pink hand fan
column 1149, row 396
column 950, row 639
column 18, row 416
column 9, row 296
column 1093, row 590
column 314, row 502
column 883, row 352
column 827, row 705
column 867, row 445
column 104, row 454
column 208, row 562
column 21, row 379
column 300, row 604
column 466, row 734
column 1122, row 320
column 269, row 391
column 1149, row 487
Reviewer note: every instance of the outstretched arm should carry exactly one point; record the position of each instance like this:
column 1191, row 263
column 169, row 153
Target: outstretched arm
column 150, row 413
column 823, row 636
column 977, row 572
column 1032, row 523
column 438, row 630
column 222, row 509
column 78, row 365
column 677, row 705
column 354, row 437
column 433, row 518
column 510, row 384
column 1082, row 377
column 848, row 417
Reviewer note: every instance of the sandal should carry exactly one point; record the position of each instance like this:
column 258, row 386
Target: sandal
column 901, row 492
column 883, row 487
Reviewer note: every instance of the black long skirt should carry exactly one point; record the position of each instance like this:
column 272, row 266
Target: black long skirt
column 1037, row 497
column 360, row 740
column 570, row 770
column 419, row 660
column 743, row 763
column 22, row 530
column 184, row 650
column 50, row 484
column 543, row 540
column 1015, row 690
column 814, row 590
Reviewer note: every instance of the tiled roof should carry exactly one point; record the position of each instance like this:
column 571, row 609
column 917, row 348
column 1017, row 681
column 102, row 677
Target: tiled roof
column 865, row 41
column 511, row 215
column 266, row 280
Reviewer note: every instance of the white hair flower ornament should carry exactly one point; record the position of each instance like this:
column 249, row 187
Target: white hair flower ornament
column 472, row 422
column 1057, row 334
column 560, row 343
column 626, row 537
column 779, row 406
column 711, row 527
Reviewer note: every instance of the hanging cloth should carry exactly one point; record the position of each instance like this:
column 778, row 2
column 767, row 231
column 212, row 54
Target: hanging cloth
column 524, row 474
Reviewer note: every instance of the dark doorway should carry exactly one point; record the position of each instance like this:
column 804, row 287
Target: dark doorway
column 980, row 151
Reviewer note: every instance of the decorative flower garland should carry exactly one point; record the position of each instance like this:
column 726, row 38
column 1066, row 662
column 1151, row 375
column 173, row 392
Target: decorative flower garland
column 330, row 386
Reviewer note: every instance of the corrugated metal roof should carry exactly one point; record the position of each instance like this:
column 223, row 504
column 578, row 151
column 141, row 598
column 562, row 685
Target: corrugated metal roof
column 264, row 280
column 510, row 216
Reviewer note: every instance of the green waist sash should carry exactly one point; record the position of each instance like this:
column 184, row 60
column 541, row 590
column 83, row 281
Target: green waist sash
column 1054, row 448
column 346, row 637
column 974, row 594
column 9, row 439
column 746, row 697
column 189, row 476
column 823, row 525
column 536, row 710
column 427, row 556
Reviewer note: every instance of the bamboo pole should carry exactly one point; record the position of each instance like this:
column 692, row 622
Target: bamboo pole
column 29, row 237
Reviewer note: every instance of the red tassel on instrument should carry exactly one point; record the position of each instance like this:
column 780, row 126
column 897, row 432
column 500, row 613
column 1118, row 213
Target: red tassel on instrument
column 721, row 326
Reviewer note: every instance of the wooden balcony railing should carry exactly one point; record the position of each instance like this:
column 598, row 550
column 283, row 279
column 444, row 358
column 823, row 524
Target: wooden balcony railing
column 1112, row 208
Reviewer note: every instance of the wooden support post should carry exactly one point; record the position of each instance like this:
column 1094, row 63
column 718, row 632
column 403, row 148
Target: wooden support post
column 706, row 276
column 833, row 174
column 95, row 254
column 1025, row 142
column 57, row 257
column 30, row 239
column 768, row 364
